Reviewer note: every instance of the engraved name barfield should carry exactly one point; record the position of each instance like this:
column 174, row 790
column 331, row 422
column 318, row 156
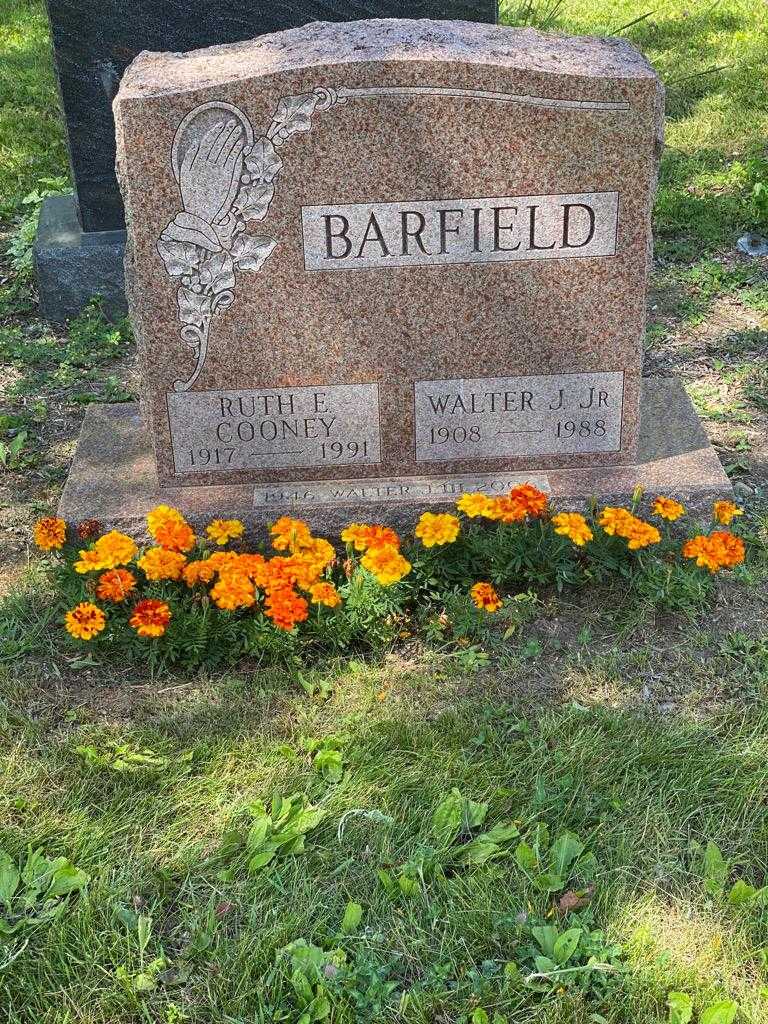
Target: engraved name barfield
column 408, row 234
column 274, row 428
column 497, row 417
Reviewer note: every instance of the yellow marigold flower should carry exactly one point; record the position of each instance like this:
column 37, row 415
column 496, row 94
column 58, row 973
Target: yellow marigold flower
column 615, row 520
column 160, row 564
column 285, row 608
column 160, row 515
column 725, row 511
column 434, row 529
column 109, row 551
column 325, row 593
column 288, row 534
column 474, row 504
column 115, row 549
column 233, row 590
column 362, row 536
column 175, row 536
column 485, row 597
column 386, row 563
column 494, row 509
column 115, row 585
column 667, row 508
column 50, row 533
column 574, row 526
column 150, row 617
column 89, row 561
column 221, row 531
column 85, row 621
column 320, row 551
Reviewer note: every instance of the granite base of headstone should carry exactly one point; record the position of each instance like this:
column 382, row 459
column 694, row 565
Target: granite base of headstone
column 372, row 266
column 114, row 479
column 81, row 239
column 74, row 266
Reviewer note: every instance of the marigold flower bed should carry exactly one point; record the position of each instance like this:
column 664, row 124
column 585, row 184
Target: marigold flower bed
column 214, row 592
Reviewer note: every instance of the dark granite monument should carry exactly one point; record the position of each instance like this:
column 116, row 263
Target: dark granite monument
column 81, row 238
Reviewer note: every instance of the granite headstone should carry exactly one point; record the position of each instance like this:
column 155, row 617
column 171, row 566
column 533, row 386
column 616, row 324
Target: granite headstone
column 390, row 260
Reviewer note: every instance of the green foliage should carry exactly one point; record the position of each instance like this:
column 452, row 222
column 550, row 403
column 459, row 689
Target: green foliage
column 13, row 455
column 715, row 871
column 551, row 867
column 36, row 891
column 579, row 957
column 23, row 237
column 43, row 360
column 273, row 833
column 327, row 756
column 125, row 758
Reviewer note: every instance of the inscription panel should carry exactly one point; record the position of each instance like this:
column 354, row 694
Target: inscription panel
column 392, row 489
column 274, row 428
column 498, row 417
column 414, row 234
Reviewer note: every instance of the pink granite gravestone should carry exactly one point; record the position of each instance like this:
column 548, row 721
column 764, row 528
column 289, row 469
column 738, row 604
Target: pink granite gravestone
column 390, row 261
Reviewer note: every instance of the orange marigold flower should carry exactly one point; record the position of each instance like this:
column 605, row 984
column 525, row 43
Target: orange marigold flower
column 285, row 607
column 88, row 528
column 730, row 548
column 325, row 593
column 160, row 564
column 474, row 504
column 574, row 526
column 485, row 597
column 175, row 536
column 115, row 585
column 621, row 523
column 288, row 534
column 641, row 534
column 50, row 533
column 233, row 590
column 252, row 566
column 667, row 508
column 221, row 531
column 363, row 536
column 719, row 550
column 85, row 621
column 725, row 511
column 700, row 548
column 506, row 510
column 200, row 571
column 438, row 529
column 150, row 617
column 160, row 515
column 530, row 498
column 386, row 563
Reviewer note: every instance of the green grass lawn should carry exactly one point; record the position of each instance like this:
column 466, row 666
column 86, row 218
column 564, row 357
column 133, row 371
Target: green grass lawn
column 622, row 751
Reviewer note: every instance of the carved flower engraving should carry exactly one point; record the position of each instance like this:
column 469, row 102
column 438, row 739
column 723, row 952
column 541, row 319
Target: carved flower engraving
column 226, row 179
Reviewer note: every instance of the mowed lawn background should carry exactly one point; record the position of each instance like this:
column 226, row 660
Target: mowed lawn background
column 594, row 715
